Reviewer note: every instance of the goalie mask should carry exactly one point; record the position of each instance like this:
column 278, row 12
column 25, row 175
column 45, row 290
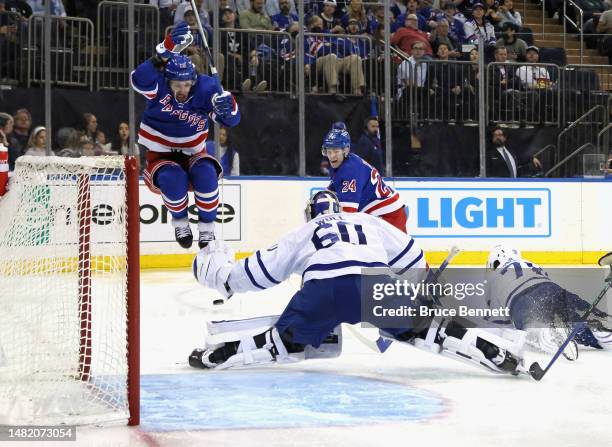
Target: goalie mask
column 323, row 202
column 500, row 255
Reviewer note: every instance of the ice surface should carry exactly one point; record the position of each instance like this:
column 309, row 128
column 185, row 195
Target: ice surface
column 403, row 397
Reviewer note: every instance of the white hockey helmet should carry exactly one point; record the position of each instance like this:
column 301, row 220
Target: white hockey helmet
column 500, row 255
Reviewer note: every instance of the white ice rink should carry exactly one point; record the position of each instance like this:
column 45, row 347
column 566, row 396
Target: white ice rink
column 403, row 397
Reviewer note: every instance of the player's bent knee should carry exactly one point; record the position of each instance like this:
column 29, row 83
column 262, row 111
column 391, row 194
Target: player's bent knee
column 170, row 175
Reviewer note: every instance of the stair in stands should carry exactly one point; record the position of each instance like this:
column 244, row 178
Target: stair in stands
column 552, row 35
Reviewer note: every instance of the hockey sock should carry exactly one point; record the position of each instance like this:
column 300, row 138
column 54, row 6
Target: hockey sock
column 203, row 177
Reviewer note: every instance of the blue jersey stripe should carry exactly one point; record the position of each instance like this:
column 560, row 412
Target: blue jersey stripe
column 264, row 270
column 250, row 275
column 414, row 261
column 403, row 252
column 341, row 265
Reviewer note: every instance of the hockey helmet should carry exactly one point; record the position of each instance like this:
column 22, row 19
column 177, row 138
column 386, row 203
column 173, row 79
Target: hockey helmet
column 180, row 68
column 500, row 255
column 336, row 139
column 323, row 202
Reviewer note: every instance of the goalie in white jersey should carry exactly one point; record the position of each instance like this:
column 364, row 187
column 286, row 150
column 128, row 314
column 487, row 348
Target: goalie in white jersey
column 329, row 251
column 537, row 303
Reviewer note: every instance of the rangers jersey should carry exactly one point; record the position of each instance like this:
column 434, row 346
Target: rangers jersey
column 168, row 125
column 329, row 246
column 360, row 187
column 511, row 279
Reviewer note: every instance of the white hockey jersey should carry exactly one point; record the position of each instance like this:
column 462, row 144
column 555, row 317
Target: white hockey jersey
column 510, row 279
column 328, row 246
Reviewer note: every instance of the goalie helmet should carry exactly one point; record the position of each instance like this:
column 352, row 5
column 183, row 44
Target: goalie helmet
column 337, row 138
column 500, row 255
column 323, row 202
column 180, row 68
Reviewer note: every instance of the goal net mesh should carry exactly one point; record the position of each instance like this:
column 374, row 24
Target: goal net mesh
column 63, row 292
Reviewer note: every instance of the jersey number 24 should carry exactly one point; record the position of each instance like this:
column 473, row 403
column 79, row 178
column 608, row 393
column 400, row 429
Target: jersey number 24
column 327, row 234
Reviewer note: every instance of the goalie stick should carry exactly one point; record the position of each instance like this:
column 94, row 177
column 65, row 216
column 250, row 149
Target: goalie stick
column 535, row 370
column 382, row 344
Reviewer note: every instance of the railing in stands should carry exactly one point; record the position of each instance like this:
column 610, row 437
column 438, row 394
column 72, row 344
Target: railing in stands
column 72, row 54
column 584, row 131
column 13, row 35
column 523, row 93
column 579, row 26
column 112, row 43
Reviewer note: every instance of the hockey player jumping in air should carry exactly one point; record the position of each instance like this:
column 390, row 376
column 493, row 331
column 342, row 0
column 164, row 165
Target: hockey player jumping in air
column 358, row 185
column 538, row 305
column 174, row 129
column 329, row 251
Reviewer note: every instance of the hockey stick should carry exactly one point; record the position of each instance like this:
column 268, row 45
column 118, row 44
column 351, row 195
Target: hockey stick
column 535, row 370
column 382, row 344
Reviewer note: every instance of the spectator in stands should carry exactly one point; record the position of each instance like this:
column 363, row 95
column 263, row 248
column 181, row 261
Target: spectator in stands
column 406, row 36
column 368, row 146
column 255, row 17
column 504, row 162
column 508, row 14
column 492, row 15
column 455, row 22
column 285, row 17
column 409, row 76
column 121, row 142
column 89, row 125
column 21, row 129
column 330, row 22
column 319, row 58
column 445, row 80
column 501, row 80
column 356, row 11
column 360, row 46
column 378, row 18
column 440, row 35
column 68, row 142
column 37, row 142
column 273, row 7
column 181, row 8
column 6, row 129
column 411, row 8
column 101, row 145
column 234, row 54
column 398, row 8
column 516, row 47
column 478, row 29
column 21, row 7
column 533, row 76
column 604, row 26
column 57, row 7
column 227, row 153
column 166, row 11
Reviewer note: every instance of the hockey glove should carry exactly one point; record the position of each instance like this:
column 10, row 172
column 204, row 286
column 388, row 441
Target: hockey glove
column 212, row 266
column 223, row 104
column 176, row 41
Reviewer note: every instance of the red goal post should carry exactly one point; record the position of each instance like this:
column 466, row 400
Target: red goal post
column 69, row 292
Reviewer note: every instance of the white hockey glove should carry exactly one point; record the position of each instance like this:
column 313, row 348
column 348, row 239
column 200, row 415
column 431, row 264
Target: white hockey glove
column 212, row 266
column 176, row 41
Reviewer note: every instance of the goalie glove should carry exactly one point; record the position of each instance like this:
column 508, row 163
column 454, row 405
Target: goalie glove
column 176, row 41
column 212, row 267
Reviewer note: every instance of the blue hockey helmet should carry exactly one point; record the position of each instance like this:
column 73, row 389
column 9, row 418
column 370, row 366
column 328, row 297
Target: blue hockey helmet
column 180, row 68
column 336, row 139
column 323, row 202
column 339, row 125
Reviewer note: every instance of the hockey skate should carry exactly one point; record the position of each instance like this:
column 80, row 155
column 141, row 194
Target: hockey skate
column 207, row 233
column 182, row 232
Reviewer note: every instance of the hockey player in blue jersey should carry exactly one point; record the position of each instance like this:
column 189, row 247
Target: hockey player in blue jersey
column 329, row 252
column 174, row 128
column 358, row 185
column 538, row 305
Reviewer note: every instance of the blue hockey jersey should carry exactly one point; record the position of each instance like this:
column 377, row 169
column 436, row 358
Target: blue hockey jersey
column 360, row 187
column 168, row 125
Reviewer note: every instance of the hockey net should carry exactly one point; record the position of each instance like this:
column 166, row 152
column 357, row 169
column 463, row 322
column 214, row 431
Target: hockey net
column 69, row 292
